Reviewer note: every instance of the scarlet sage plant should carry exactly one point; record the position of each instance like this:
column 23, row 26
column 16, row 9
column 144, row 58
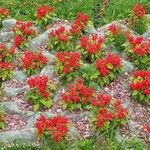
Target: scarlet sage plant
column 77, row 96
column 6, row 54
column 44, row 15
column 140, row 86
column 67, row 65
column 59, row 40
column 6, row 70
column 32, row 62
column 41, row 92
column 53, row 129
column 92, row 47
column 4, row 13
column 79, row 25
column 24, row 31
column 139, row 50
column 108, row 112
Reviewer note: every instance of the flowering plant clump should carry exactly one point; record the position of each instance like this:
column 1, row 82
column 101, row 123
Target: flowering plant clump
column 4, row 13
column 137, row 20
column 24, row 31
column 116, row 36
column 78, row 96
column 6, row 70
column 32, row 62
column 91, row 47
column 140, row 86
column 6, row 54
column 139, row 50
column 108, row 112
column 59, row 39
column 55, row 128
column 67, row 64
column 41, row 92
column 79, row 24
column 44, row 15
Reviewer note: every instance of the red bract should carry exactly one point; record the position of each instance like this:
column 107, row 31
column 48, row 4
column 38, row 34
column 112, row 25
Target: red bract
column 139, row 10
column 6, row 65
column 79, row 24
column 57, row 127
column 108, row 63
column 69, row 60
column 78, row 93
column 92, row 44
column 113, row 28
column 4, row 12
column 33, row 60
column 40, row 83
column 43, row 10
column 147, row 127
column 18, row 40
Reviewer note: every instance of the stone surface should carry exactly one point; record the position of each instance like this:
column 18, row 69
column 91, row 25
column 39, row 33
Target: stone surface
column 19, row 76
column 51, row 58
column 47, row 71
column 8, row 23
column 6, row 36
column 128, row 66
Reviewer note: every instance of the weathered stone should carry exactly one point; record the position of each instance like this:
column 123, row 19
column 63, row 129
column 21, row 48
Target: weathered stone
column 47, row 71
column 8, row 23
column 7, row 36
column 19, row 76
column 128, row 67
column 51, row 58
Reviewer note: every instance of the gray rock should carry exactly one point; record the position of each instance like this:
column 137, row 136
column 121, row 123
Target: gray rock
column 47, row 71
column 19, row 76
column 7, row 36
column 128, row 67
column 24, row 135
column 50, row 57
column 8, row 23
column 146, row 35
column 118, row 136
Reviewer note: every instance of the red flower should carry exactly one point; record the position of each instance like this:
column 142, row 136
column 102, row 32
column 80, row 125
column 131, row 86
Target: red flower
column 139, row 10
column 6, row 65
column 18, row 40
column 113, row 28
column 4, row 12
column 147, row 127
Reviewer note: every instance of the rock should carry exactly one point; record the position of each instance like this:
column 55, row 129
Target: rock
column 19, row 76
column 7, row 36
column 50, row 57
column 47, row 71
column 128, row 67
column 8, row 23
column 11, row 91
column 118, row 136
column 24, row 135
column 146, row 35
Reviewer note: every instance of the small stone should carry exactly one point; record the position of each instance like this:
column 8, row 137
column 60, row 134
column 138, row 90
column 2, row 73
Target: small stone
column 47, row 71
column 8, row 23
column 20, row 76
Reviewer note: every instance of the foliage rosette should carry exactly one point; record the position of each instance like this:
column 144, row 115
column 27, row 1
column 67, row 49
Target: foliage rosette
column 60, row 40
column 52, row 131
column 108, row 113
column 41, row 92
column 115, row 36
column 6, row 70
column 24, row 32
column 139, row 50
column 67, row 65
column 44, row 15
column 140, row 86
column 6, row 54
column 32, row 62
column 92, row 47
column 77, row 96
column 103, row 71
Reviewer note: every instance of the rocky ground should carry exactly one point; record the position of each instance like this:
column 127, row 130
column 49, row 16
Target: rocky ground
column 20, row 116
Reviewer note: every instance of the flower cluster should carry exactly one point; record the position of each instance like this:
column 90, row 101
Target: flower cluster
column 40, row 93
column 77, row 96
column 139, row 10
column 79, row 24
column 114, row 29
column 59, row 39
column 44, row 14
column 32, row 62
column 92, row 46
column 67, row 63
column 6, row 70
column 147, row 127
column 108, row 110
column 139, row 49
column 24, row 31
column 56, row 127
column 108, row 67
column 4, row 13
column 140, row 86
column 6, row 54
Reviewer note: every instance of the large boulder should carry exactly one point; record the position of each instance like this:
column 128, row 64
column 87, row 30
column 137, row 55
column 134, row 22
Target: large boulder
column 8, row 23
